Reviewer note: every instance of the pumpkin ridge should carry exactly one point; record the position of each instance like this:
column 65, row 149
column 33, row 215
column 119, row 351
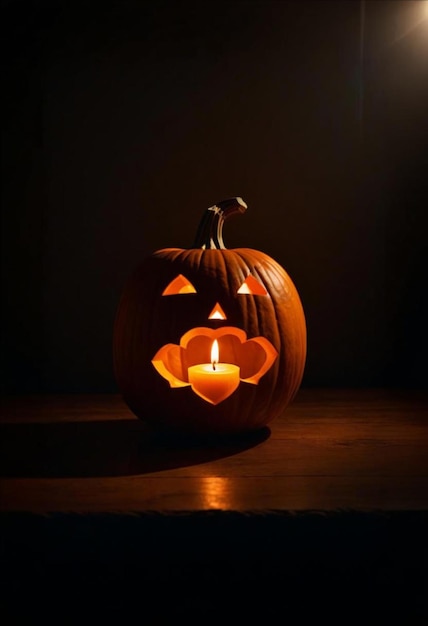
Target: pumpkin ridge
column 288, row 370
column 249, row 313
column 275, row 373
column 292, row 369
column 281, row 274
column 146, row 321
column 298, row 338
column 244, row 411
column 264, row 274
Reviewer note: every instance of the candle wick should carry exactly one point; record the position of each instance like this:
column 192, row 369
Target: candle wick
column 213, row 366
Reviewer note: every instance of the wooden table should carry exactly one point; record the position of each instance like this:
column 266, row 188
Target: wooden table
column 334, row 495
column 359, row 450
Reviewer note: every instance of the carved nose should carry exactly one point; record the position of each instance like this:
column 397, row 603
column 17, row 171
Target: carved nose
column 217, row 313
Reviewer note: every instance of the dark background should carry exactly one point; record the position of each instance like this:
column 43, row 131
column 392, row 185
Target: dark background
column 123, row 121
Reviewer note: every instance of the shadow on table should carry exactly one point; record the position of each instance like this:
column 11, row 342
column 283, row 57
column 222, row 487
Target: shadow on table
column 106, row 448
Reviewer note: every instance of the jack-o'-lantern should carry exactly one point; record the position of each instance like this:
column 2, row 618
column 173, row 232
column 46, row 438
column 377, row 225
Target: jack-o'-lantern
column 209, row 340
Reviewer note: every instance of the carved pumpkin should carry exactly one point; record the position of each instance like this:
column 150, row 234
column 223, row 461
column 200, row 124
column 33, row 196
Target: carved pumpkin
column 209, row 340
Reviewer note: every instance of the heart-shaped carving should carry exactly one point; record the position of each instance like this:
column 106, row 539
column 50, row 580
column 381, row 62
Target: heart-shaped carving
column 253, row 356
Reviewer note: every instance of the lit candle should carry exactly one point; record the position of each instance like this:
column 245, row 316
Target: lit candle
column 214, row 381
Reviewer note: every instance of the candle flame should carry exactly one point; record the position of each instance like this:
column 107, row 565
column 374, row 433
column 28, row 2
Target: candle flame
column 214, row 353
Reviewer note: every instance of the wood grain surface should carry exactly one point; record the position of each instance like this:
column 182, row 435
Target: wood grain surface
column 362, row 450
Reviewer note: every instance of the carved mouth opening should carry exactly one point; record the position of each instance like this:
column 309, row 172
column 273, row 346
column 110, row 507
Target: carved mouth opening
column 190, row 362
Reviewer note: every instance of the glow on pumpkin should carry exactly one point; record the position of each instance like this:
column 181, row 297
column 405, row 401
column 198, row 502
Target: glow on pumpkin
column 217, row 313
column 213, row 384
column 157, row 339
column 252, row 357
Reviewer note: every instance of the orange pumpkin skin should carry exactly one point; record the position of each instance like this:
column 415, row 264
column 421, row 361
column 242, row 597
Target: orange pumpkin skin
column 146, row 320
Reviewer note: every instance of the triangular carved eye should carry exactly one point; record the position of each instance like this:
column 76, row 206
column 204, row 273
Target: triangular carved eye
column 179, row 285
column 252, row 287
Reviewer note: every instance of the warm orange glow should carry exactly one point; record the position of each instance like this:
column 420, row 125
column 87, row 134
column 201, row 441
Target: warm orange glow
column 251, row 286
column 214, row 383
column 215, row 353
column 217, row 313
column 242, row 359
column 179, row 285
column 215, row 492
column 411, row 16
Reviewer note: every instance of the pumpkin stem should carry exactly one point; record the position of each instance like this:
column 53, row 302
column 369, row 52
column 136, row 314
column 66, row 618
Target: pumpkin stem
column 210, row 231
